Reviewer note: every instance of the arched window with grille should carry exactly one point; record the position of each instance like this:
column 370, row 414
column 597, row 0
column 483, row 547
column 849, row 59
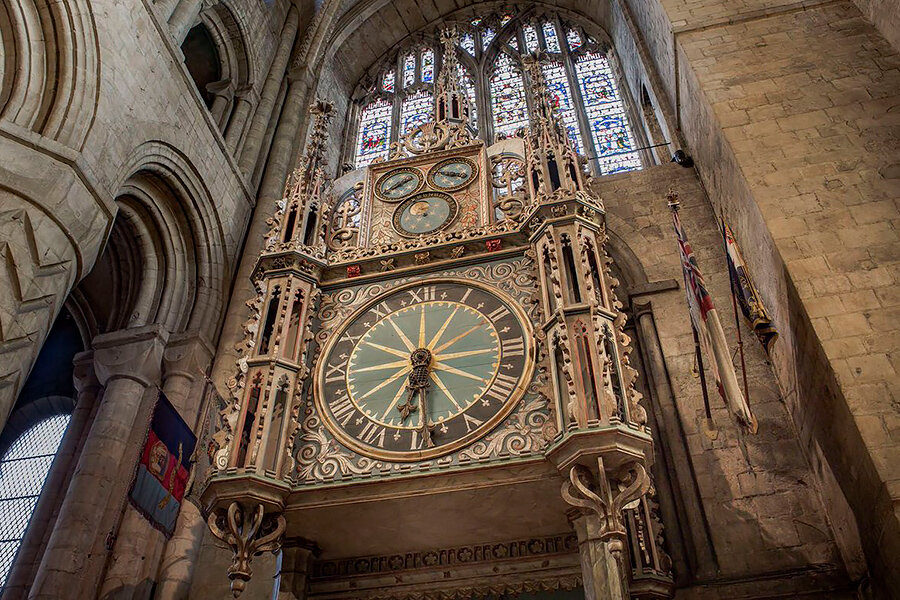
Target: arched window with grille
column 23, row 469
column 576, row 66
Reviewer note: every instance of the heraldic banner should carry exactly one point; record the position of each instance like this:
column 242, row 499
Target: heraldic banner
column 162, row 474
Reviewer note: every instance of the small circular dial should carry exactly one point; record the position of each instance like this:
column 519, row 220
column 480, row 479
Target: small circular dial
column 398, row 184
column 452, row 174
column 424, row 369
column 425, row 213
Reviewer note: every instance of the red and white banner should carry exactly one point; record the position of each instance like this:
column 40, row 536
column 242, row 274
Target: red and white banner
column 709, row 329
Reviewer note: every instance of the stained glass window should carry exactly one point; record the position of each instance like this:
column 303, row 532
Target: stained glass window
column 531, row 38
column 467, row 43
column 514, row 43
column 427, row 65
column 606, row 115
column 415, row 110
column 506, row 18
column 550, row 37
column 561, row 96
column 468, row 85
column 23, row 471
column 387, row 81
column 487, row 36
column 409, row 70
column 574, row 39
column 507, row 97
column 476, row 21
column 374, row 131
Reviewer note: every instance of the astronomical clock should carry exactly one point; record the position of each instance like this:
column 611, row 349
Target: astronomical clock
column 434, row 397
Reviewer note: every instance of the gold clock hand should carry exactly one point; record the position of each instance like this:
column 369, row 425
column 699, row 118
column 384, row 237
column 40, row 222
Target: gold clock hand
column 399, row 183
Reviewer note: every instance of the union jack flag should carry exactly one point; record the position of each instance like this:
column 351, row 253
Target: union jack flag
column 709, row 329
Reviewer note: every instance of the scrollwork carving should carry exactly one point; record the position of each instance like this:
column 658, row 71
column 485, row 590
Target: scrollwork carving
column 247, row 531
column 603, row 495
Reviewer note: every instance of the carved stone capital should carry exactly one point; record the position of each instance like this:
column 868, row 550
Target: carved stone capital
column 130, row 353
column 187, row 355
column 247, row 530
column 603, row 495
column 84, row 377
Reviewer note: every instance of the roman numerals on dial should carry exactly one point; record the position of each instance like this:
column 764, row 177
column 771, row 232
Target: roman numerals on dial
column 474, row 362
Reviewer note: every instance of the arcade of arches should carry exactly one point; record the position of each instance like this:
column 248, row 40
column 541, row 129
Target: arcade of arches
column 182, row 177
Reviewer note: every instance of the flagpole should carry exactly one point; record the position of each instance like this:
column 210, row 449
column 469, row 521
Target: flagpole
column 737, row 321
column 702, row 372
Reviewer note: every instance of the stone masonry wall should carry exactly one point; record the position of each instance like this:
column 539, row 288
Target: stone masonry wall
column 789, row 112
column 757, row 491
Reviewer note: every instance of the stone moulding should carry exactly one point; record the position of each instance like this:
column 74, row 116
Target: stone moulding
column 551, row 563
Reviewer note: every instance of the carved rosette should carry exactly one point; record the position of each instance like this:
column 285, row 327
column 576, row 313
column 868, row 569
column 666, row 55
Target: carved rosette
column 247, row 530
column 603, row 495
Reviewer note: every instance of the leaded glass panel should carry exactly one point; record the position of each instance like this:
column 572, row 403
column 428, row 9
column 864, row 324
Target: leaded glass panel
column 574, row 39
column 23, row 471
column 507, row 97
column 427, row 65
column 550, row 37
column 531, row 38
column 561, row 97
column 387, row 81
column 467, row 43
column 409, row 70
column 415, row 110
column 606, row 115
column 468, row 85
column 487, row 36
column 374, row 131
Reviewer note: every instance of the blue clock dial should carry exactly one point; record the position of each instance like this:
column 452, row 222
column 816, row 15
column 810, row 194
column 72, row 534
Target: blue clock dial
column 424, row 369
column 425, row 213
column 398, row 184
column 452, row 174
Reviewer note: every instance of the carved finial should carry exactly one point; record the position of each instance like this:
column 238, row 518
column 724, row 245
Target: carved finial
column 672, row 197
column 544, row 103
column 451, row 104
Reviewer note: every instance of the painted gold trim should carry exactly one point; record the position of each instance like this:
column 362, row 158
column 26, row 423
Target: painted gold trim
column 413, row 456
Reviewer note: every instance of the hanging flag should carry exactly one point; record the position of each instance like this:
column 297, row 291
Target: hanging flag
column 162, row 474
column 745, row 292
column 709, row 329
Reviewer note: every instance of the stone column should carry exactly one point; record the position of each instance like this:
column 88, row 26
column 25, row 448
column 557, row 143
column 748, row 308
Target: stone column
column 183, row 18
column 185, row 364
column 294, row 563
column 671, row 435
column 139, row 546
column 237, row 124
column 257, row 132
column 88, row 388
column 128, row 364
column 599, row 492
column 603, row 563
column 224, row 93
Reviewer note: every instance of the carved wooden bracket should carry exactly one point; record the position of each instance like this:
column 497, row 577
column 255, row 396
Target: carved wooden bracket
column 604, row 495
column 247, row 531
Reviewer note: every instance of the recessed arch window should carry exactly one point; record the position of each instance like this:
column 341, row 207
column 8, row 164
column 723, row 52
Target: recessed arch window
column 491, row 50
column 23, row 469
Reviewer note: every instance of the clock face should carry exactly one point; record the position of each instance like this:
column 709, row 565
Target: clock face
column 425, row 213
column 424, row 370
column 452, row 174
column 398, row 184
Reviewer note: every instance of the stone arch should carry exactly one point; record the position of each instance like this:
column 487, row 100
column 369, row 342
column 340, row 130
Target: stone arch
column 162, row 195
column 49, row 81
